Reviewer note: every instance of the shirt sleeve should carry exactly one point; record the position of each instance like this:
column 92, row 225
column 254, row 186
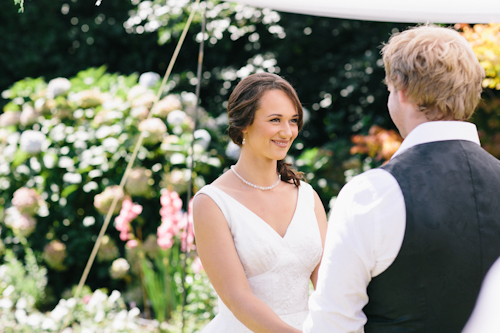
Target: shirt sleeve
column 485, row 317
column 365, row 232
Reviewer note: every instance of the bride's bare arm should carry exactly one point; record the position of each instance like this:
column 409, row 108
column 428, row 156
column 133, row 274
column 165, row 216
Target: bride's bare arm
column 220, row 260
column 322, row 224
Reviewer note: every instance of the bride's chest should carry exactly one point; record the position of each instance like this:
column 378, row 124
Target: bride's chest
column 261, row 249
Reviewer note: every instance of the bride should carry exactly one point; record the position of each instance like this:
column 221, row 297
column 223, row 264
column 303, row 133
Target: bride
column 259, row 228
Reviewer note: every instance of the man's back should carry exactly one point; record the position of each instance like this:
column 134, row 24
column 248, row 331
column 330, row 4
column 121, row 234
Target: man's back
column 452, row 198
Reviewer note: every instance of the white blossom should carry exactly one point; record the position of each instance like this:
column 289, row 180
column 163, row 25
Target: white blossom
column 10, row 118
column 6, row 303
column 119, row 268
column 149, row 79
column 32, row 141
column 202, row 138
column 176, row 117
column 233, row 151
column 21, row 224
column 28, row 116
column 58, row 86
column 154, row 128
column 138, row 182
column 166, row 105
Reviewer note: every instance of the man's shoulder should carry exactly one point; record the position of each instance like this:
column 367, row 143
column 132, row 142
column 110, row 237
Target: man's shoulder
column 375, row 183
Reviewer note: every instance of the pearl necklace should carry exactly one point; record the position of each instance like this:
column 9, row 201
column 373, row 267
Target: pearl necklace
column 256, row 186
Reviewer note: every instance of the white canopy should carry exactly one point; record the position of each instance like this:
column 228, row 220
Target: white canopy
column 414, row 11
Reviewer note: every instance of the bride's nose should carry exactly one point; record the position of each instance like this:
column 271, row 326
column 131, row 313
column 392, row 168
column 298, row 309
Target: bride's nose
column 286, row 130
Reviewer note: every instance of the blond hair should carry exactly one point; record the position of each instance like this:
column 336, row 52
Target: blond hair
column 437, row 69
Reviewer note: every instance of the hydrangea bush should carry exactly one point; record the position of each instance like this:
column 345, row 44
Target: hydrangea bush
column 64, row 148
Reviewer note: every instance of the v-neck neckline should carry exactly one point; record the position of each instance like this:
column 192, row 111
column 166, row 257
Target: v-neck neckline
column 261, row 219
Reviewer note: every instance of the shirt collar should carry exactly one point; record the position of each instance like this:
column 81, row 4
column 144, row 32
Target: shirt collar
column 432, row 131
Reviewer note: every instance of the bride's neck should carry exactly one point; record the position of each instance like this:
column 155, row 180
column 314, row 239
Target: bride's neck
column 258, row 172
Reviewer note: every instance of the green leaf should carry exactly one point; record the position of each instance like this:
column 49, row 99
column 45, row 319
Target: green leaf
column 19, row 157
column 68, row 190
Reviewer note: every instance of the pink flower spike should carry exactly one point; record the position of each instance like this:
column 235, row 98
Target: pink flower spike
column 124, row 236
column 197, row 266
column 132, row 243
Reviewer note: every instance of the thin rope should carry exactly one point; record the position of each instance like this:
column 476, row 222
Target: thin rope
column 191, row 153
column 134, row 155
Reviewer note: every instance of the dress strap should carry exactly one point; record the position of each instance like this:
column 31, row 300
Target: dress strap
column 308, row 194
column 215, row 194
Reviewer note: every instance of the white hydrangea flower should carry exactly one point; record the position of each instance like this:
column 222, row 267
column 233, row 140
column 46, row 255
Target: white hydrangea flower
column 103, row 201
column 136, row 91
column 21, row 316
column 22, row 224
column 134, row 312
column 10, row 288
column 188, row 98
column 26, row 200
column 35, row 319
column 21, row 303
column 6, row 303
column 202, row 138
column 166, row 105
column 119, row 268
column 10, row 118
column 49, row 324
column 149, row 79
column 140, row 112
column 176, row 117
column 138, row 183
column 60, row 311
column 155, row 129
column 58, row 86
column 32, row 141
column 72, row 178
column 233, row 150
column 115, row 295
column 28, row 116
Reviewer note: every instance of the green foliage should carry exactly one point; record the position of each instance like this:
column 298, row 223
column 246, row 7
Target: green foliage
column 91, row 129
column 25, row 282
column 334, row 64
column 160, row 285
column 21, row 5
column 71, row 141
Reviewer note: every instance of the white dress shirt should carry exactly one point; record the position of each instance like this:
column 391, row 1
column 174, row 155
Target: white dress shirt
column 485, row 317
column 365, row 232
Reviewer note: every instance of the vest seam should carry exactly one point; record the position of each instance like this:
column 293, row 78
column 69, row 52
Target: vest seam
column 475, row 202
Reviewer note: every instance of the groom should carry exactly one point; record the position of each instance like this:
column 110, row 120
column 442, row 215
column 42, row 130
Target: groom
column 409, row 243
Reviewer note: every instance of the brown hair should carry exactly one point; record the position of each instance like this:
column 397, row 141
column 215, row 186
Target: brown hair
column 438, row 69
column 245, row 100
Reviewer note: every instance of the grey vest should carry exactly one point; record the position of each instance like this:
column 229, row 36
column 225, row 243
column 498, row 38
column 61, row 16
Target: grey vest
column 452, row 197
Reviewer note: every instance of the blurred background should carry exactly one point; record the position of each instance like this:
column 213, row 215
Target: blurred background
column 77, row 83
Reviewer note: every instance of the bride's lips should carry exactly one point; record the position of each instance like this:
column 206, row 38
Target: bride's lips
column 281, row 143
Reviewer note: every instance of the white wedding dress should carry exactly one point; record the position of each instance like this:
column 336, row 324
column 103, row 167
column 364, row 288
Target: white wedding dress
column 278, row 268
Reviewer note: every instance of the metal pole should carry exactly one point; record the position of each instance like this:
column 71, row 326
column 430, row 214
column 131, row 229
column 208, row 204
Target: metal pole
column 191, row 153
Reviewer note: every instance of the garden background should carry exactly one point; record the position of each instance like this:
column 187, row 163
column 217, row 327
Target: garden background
column 78, row 82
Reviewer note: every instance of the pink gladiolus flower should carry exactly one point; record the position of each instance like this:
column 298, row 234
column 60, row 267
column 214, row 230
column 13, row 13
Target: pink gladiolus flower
column 187, row 235
column 197, row 266
column 132, row 243
column 128, row 213
column 171, row 216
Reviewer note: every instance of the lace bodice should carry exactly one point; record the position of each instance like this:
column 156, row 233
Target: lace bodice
column 278, row 268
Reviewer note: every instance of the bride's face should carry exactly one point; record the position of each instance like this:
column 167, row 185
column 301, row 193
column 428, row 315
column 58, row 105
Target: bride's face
column 274, row 128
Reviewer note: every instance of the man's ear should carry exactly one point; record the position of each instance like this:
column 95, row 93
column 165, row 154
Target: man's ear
column 402, row 96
